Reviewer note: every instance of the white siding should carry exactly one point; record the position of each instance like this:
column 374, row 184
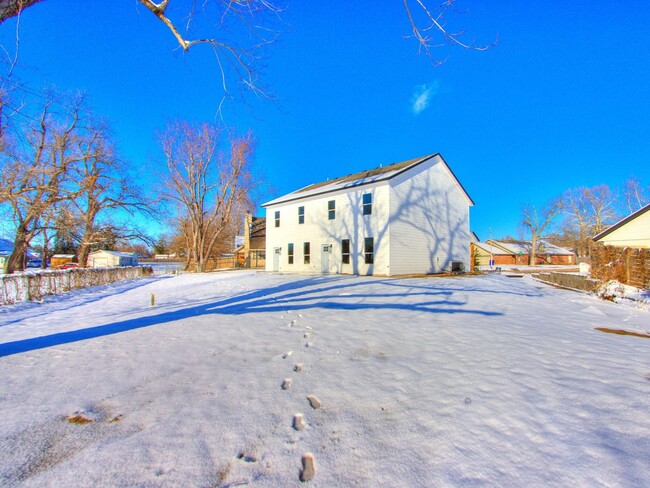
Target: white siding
column 419, row 223
column 103, row 259
column 429, row 220
column 318, row 230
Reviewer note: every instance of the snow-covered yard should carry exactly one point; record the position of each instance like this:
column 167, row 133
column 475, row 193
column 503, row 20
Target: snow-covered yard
column 423, row 382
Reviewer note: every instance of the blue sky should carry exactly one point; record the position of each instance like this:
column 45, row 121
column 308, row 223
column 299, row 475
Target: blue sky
column 563, row 101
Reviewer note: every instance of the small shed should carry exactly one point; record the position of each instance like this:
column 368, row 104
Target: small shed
column 60, row 259
column 107, row 259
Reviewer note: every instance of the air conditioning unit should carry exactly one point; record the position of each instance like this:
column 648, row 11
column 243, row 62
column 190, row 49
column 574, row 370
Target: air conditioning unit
column 457, row 267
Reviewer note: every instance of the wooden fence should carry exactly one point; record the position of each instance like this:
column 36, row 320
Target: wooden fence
column 627, row 265
column 34, row 286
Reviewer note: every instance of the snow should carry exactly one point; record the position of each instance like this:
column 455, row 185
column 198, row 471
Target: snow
column 626, row 294
column 456, row 381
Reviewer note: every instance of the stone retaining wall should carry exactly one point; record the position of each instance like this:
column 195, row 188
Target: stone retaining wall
column 574, row 281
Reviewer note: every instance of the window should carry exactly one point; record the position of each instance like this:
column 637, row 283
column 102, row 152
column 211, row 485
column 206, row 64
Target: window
column 301, row 215
column 367, row 203
column 277, row 218
column 305, row 251
column 345, row 250
column 369, row 250
column 290, row 252
column 331, row 209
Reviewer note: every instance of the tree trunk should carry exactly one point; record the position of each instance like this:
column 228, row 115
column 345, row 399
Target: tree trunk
column 16, row 261
column 533, row 249
column 82, row 258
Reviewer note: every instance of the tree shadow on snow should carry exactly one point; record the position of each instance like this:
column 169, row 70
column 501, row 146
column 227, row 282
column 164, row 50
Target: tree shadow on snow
column 327, row 292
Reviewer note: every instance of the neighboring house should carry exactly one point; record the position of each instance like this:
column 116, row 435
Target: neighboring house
column 251, row 247
column 106, row 259
column 556, row 254
column 518, row 253
column 405, row 218
column 632, row 231
column 483, row 252
column 60, row 259
column 164, row 257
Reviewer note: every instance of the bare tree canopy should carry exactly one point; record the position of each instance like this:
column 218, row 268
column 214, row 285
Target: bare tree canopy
column 635, row 195
column 429, row 26
column 36, row 173
column 103, row 186
column 11, row 8
column 60, row 178
column 238, row 31
column 210, row 180
column 587, row 211
column 537, row 221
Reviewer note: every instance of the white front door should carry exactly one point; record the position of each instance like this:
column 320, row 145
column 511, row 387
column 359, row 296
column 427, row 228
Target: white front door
column 276, row 258
column 326, row 250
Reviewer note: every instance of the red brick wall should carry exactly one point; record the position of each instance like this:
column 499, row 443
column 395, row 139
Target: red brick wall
column 503, row 259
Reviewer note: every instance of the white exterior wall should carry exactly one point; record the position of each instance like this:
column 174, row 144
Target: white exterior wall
column 349, row 223
column 429, row 220
column 635, row 233
column 103, row 259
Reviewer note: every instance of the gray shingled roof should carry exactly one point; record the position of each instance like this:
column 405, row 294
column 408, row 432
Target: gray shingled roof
column 365, row 177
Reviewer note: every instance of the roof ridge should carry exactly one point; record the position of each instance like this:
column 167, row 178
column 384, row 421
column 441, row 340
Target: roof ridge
column 367, row 173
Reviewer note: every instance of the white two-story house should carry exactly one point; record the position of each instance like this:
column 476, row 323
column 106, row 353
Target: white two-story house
column 405, row 218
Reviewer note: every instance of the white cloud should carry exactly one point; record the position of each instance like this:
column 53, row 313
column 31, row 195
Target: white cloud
column 422, row 95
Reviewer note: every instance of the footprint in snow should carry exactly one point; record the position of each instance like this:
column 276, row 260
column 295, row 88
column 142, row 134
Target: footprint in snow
column 299, row 421
column 298, row 367
column 287, row 354
column 308, row 467
column 314, row 402
column 248, row 458
column 286, row 384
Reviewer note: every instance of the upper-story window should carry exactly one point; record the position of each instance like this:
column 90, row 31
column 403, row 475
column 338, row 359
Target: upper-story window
column 345, row 251
column 369, row 250
column 331, row 209
column 301, row 215
column 290, row 253
column 306, row 252
column 277, row 218
column 367, row 203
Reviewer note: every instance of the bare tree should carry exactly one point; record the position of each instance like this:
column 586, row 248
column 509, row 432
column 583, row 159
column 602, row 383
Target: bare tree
column 11, row 8
column 634, row 194
column 537, row 222
column 587, row 212
column 209, row 183
column 36, row 175
column 104, row 189
column 428, row 22
column 237, row 31
column 602, row 202
column 576, row 208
